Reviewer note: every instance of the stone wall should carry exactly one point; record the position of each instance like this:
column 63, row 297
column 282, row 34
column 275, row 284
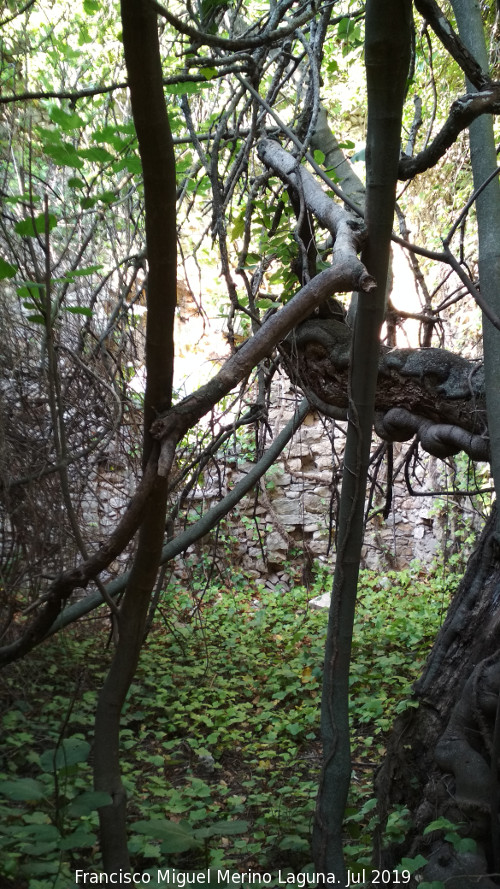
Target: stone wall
column 292, row 518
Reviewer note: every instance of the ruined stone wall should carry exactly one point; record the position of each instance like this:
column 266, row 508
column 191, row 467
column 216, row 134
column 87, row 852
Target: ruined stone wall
column 292, row 518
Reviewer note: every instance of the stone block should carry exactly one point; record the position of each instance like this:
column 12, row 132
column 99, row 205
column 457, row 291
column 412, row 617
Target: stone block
column 325, row 461
column 289, row 511
column 278, row 478
column 322, row 491
column 274, row 541
column 320, row 602
column 313, row 503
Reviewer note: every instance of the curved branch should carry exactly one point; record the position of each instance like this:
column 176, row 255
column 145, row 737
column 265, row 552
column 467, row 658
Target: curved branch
column 19, row 12
column 347, row 274
column 462, row 112
column 266, row 38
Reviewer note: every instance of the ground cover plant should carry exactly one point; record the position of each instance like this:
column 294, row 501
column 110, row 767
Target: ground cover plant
column 220, row 729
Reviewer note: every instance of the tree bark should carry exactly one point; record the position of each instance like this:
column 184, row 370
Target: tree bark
column 387, row 57
column 484, row 162
column 442, row 758
column 142, row 57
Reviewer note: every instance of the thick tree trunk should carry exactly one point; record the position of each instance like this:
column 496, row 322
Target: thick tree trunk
column 442, row 759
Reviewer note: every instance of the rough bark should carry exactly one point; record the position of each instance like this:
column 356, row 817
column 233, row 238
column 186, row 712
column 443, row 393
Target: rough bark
column 463, row 111
column 442, row 758
column 432, row 393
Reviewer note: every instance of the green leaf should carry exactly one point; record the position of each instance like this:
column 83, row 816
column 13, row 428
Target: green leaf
column 91, row 6
column 75, row 182
column 276, row 277
column 465, row 844
column 413, row 864
column 97, row 154
column 36, row 319
column 209, row 73
column 33, row 868
column 49, row 136
column 79, row 839
column 25, row 289
column 107, row 197
column 229, row 828
column 87, row 802
column 22, row 789
column 7, row 270
column 84, row 36
column 294, row 728
column 319, row 156
column 175, row 837
column 440, row 824
column 29, row 227
column 133, row 164
column 67, row 120
column 64, row 155
column 266, row 303
column 79, row 310
column 88, row 270
column 69, row 752
column 40, row 833
column 238, row 227
column 186, row 88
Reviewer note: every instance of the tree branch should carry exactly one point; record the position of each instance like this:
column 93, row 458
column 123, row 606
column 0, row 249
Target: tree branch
column 265, row 38
column 432, row 14
column 462, row 112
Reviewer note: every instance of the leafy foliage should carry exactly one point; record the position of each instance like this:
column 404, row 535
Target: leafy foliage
column 220, row 731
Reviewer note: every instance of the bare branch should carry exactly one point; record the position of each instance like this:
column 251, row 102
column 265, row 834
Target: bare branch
column 16, row 14
column 265, row 38
column 431, row 12
column 462, row 112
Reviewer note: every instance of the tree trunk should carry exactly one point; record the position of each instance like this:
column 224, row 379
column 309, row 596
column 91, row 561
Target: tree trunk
column 387, row 58
column 142, row 56
column 442, row 758
column 484, row 162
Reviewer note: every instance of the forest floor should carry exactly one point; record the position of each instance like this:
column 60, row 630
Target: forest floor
column 220, row 735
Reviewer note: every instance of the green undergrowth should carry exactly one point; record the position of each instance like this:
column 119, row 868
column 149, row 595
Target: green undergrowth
column 220, row 740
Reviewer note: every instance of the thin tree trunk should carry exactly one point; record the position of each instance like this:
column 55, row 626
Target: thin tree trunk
column 484, row 162
column 142, row 56
column 387, row 55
